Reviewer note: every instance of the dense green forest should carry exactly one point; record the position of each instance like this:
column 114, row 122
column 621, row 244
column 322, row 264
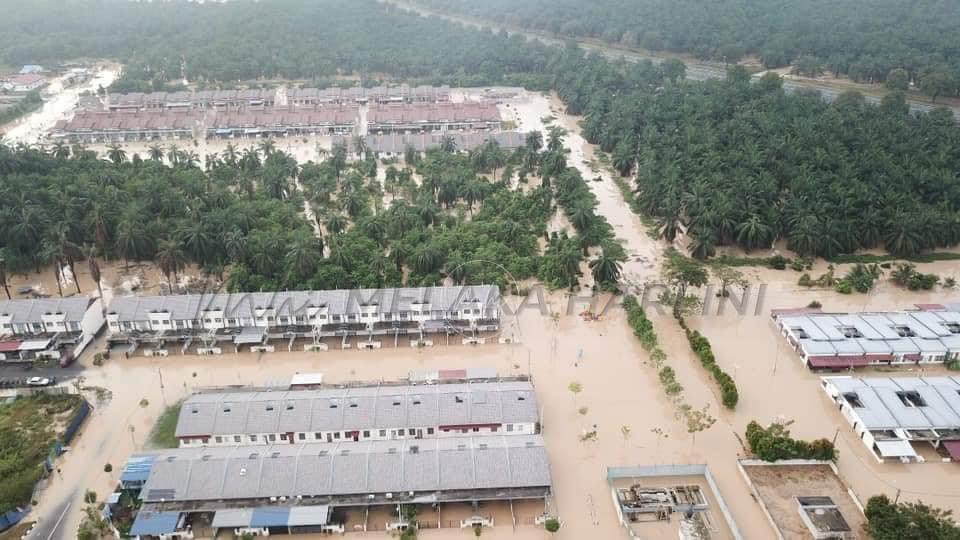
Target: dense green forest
column 863, row 39
column 160, row 42
column 732, row 162
column 242, row 216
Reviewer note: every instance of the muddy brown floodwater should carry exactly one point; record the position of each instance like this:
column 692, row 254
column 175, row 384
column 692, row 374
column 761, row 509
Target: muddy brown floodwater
column 619, row 386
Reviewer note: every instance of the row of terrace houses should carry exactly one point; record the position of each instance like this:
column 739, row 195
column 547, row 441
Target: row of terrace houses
column 97, row 127
column 395, row 145
column 403, row 93
column 837, row 340
column 188, row 101
column 280, row 489
column 419, row 118
column 283, row 122
column 257, row 319
column 359, row 413
column 47, row 327
column 891, row 415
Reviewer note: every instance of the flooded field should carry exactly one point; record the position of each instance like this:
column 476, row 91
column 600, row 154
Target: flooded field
column 620, row 396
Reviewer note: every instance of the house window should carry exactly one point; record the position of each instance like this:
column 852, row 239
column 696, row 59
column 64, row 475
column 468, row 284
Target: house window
column 318, row 436
column 218, row 439
column 383, row 433
column 494, row 429
column 429, row 431
column 336, row 435
column 271, row 437
column 476, row 430
column 205, row 440
column 283, row 436
column 464, row 430
column 302, row 436
column 253, row 438
column 509, row 427
column 236, row 438
column 366, row 434
column 400, row 432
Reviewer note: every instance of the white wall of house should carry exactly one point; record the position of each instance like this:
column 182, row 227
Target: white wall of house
column 386, row 434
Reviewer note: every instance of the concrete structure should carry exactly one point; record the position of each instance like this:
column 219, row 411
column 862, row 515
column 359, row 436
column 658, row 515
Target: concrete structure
column 421, row 118
column 839, row 341
column 254, row 319
column 892, row 415
column 648, row 493
column 297, row 488
column 47, row 327
column 395, row 145
column 220, row 100
column 359, row 413
column 23, row 83
column 823, row 519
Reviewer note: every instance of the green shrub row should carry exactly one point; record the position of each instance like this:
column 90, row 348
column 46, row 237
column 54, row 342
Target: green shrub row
column 701, row 346
column 774, row 443
column 643, row 329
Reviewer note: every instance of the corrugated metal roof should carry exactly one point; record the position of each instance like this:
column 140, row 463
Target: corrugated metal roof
column 137, row 468
column 232, row 518
column 154, row 523
column 354, row 468
column 270, row 517
column 31, row 311
column 302, row 516
column 369, row 407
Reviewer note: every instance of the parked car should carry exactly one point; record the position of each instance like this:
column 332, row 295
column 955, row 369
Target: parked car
column 40, row 381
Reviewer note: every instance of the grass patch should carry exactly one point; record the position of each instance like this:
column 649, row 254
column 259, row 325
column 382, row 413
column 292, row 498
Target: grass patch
column 28, row 428
column 163, row 434
column 27, row 105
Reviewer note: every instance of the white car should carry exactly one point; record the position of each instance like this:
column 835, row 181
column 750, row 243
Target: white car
column 39, row 381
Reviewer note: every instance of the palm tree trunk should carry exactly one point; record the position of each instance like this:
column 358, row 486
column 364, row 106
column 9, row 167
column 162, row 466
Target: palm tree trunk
column 76, row 278
column 56, row 276
column 103, row 303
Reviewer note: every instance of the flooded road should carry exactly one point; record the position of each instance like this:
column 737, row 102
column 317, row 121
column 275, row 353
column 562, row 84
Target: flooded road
column 59, row 103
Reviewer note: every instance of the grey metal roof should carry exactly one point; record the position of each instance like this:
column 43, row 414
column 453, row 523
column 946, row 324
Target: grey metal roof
column 935, row 332
column 30, row 311
column 354, row 468
column 290, row 303
column 347, row 409
column 883, row 409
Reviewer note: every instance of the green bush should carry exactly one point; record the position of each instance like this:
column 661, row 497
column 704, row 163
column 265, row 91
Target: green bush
column 778, row 262
column 774, row 443
column 700, row 345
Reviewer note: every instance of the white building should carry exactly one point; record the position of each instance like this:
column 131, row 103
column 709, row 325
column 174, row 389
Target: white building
column 838, row 340
column 47, row 326
column 305, row 313
column 894, row 417
column 359, row 413
column 24, row 83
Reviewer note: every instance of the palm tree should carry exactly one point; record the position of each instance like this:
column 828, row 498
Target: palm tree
column 235, row 244
column 581, row 216
column 335, row 223
column 116, row 154
column 155, row 152
column 131, row 240
column 197, row 241
column 338, row 157
column 230, row 155
column 399, row 253
column 52, row 254
column 448, row 144
column 304, row 254
column 426, row 260
column 359, row 146
column 753, row 233
column 174, row 154
column 605, row 269
column 534, row 141
column 267, row 147
column 171, row 260
column 60, row 150
column 90, row 252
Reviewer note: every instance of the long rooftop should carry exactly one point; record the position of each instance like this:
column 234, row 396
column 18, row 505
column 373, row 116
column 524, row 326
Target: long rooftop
column 875, row 336
column 344, row 469
column 345, row 301
column 888, row 403
column 32, row 310
column 366, row 407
